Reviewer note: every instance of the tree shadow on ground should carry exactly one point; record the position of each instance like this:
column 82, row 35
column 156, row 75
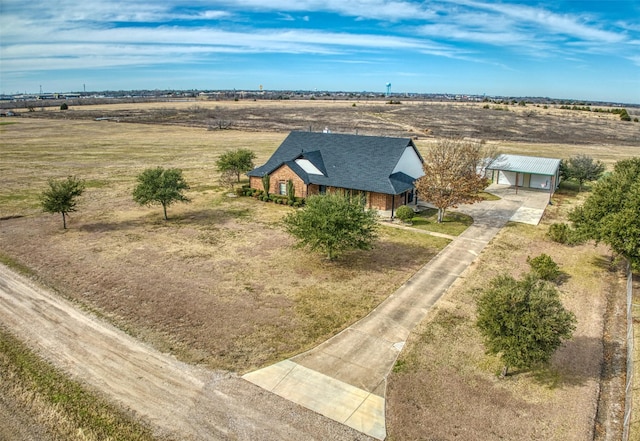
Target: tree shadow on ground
column 386, row 256
column 204, row 217
column 562, row 278
column 579, row 360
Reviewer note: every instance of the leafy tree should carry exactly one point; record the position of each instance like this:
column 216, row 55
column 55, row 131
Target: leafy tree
column 333, row 223
column 564, row 173
column 453, row 174
column 160, row 186
column 237, row 161
column 611, row 213
column 227, row 179
column 583, row 168
column 61, row 196
column 523, row 321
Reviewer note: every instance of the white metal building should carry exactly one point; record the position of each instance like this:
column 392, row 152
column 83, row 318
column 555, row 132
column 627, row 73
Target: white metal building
column 526, row 171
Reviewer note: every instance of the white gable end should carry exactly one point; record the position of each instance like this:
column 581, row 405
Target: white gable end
column 409, row 164
column 307, row 166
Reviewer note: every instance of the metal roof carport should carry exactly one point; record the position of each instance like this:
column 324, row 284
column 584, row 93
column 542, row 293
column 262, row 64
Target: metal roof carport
column 529, row 171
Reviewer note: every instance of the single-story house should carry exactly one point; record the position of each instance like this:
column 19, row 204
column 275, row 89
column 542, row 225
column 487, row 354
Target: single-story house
column 381, row 169
column 526, row 171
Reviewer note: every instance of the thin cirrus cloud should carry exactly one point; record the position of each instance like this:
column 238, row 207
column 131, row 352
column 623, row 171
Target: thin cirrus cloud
column 41, row 36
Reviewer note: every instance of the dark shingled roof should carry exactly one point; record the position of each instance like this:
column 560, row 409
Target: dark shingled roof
column 355, row 162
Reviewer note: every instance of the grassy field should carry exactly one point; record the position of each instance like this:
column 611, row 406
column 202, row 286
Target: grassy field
column 220, row 284
column 452, row 224
column 61, row 408
column 444, row 367
column 244, row 298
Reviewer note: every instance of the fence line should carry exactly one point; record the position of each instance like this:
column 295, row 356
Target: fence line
column 628, row 395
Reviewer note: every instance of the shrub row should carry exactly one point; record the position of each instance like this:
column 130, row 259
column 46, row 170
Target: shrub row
column 275, row 198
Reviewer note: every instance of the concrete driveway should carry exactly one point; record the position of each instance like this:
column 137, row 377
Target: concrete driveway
column 534, row 202
column 344, row 378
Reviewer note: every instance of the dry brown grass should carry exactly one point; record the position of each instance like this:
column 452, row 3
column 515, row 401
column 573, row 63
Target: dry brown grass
column 220, row 283
column 37, row 401
column 446, row 386
column 425, row 120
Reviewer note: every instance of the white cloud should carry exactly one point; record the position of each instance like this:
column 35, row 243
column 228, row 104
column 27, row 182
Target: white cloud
column 548, row 22
column 67, row 34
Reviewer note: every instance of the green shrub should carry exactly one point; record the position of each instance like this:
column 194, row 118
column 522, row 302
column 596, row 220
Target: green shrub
column 266, row 182
column 64, row 106
column 544, row 267
column 559, row 232
column 563, row 233
column 405, row 214
column 291, row 190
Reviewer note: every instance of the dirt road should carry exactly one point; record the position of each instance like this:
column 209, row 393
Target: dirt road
column 180, row 401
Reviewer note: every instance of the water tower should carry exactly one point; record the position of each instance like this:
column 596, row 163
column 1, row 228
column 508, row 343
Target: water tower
column 388, row 89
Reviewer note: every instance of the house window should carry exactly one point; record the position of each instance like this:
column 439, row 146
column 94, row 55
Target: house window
column 322, row 189
column 282, row 185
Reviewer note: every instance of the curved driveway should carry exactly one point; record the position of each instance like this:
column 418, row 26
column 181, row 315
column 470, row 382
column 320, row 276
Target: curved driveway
column 344, row 378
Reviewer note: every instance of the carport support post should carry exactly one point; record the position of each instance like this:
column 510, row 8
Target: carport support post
column 516, row 182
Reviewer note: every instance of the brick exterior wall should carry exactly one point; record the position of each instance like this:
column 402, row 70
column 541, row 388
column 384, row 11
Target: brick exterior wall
column 282, row 174
column 379, row 201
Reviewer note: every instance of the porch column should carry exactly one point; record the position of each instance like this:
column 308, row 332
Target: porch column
column 393, row 204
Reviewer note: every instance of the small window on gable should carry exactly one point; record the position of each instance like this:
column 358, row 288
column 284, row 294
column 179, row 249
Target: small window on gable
column 282, row 186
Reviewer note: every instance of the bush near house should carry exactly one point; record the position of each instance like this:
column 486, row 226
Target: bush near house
column 405, row 214
column 275, row 198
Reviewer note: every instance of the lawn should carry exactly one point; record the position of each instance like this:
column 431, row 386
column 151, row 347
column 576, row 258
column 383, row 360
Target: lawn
column 43, row 397
column 220, row 283
column 445, row 385
column 453, row 224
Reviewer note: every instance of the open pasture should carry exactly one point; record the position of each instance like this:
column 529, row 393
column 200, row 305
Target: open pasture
column 219, row 283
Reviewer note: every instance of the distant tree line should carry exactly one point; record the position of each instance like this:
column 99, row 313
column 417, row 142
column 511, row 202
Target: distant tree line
column 624, row 115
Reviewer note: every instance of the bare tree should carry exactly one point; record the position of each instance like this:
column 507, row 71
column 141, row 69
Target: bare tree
column 454, row 174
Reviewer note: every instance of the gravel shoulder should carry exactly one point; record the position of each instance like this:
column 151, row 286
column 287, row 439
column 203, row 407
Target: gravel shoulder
column 180, row 401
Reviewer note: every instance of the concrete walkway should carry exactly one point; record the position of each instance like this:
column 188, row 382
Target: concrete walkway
column 344, row 378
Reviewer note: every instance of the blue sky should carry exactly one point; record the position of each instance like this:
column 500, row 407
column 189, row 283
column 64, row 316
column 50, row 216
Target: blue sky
column 585, row 50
